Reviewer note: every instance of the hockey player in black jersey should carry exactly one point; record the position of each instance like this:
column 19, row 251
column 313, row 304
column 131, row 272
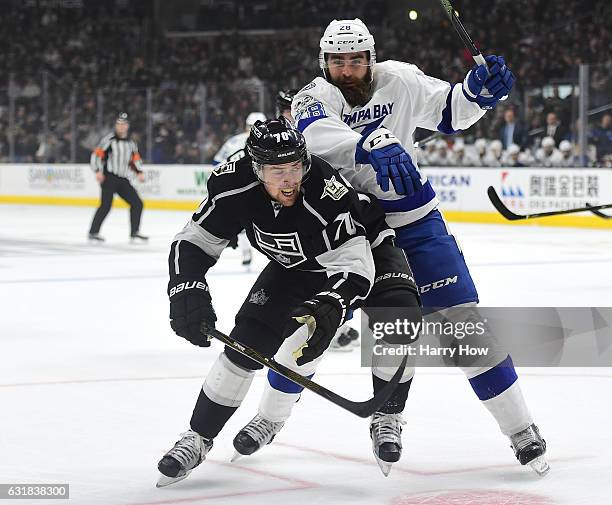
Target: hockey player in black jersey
column 318, row 235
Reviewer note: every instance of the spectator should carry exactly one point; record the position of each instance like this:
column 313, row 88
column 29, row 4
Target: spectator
column 459, row 156
column 480, row 147
column 440, row 156
column 555, row 129
column 548, row 155
column 567, row 154
column 602, row 137
column 513, row 156
column 494, row 156
column 512, row 131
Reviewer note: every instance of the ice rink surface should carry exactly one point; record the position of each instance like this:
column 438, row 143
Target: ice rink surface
column 95, row 387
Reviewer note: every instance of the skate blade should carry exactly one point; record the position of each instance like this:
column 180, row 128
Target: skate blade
column 164, row 480
column 236, row 456
column 540, row 466
column 385, row 466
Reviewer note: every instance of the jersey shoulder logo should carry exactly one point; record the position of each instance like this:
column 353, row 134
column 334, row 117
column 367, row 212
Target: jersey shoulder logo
column 285, row 248
column 225, row 168
column 259, row 297
column 308, row 86
column 334, row 189
column 312, row 109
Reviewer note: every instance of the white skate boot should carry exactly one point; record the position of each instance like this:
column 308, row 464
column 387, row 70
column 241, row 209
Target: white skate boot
column 186, row 454
column 386, row 435
column 529, row 448
column 257, row 433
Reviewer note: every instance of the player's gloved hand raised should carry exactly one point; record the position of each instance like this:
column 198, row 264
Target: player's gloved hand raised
column 486, row 88
column 383, row 151
column 191, row 310
column 322, row 315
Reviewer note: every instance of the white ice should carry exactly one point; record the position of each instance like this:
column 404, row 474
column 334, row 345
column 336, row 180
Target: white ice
column 95, row 387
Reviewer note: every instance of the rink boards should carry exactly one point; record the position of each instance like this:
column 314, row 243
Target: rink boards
column 461, row 190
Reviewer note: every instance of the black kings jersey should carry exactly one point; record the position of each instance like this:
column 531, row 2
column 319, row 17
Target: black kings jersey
column 322, row 232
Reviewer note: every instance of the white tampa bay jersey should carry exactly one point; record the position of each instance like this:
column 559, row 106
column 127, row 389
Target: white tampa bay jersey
column 232, row 146
column 403, row 99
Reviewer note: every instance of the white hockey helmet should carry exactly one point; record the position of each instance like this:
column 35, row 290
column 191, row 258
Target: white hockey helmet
column 565, row 146
column 496, row 146
column 346, row 36
column 441, row 144
column 548, row 142
column 480, row 145
column 253, row 117
column 513, row 149
column 459, row 145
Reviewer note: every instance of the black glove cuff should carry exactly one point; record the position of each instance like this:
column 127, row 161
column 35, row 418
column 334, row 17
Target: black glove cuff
column 180, row 288
column 335, row 299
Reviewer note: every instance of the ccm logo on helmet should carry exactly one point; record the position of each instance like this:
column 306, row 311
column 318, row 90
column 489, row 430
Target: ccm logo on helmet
column 187, row 285
column 438, row 284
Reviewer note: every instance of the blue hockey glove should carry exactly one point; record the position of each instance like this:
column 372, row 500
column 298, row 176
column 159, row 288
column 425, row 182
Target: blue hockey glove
column 383, row 151
column 487, row 88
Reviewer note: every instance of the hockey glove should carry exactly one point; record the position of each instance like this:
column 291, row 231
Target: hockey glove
column 487, row 88
column 323, row 315
column 191, row 310
column 383, row 151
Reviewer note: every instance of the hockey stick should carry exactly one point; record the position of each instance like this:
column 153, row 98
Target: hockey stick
column 511, row 216
column 597, row 213
column 428, row 139
column 361, row 409
column 465, row 36
column 462, row 32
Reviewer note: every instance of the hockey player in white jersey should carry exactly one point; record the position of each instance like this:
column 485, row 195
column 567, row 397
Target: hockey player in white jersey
column 237, row 142
column 361, row 117
column 232, row 148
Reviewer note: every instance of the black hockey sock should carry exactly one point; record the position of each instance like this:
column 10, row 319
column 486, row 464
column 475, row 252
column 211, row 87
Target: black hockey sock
column 208, row 417
column 397, row 402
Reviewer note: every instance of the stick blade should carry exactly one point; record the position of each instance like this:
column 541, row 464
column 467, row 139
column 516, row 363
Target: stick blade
column 597, row 212
column 367, row 408
column 500, row 207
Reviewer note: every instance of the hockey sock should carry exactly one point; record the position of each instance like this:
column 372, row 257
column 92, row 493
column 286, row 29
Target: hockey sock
column 396, row 403
column 279, row 397
column 224, row 389
column 499, row 391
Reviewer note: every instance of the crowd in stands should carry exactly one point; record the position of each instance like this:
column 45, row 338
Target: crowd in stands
column 101, row 57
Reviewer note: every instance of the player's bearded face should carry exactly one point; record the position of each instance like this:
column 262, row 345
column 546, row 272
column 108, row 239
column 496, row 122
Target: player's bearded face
column 352, row 75
column 283, row 182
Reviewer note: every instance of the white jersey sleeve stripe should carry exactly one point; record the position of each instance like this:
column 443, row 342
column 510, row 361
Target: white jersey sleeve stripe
column 213, row 246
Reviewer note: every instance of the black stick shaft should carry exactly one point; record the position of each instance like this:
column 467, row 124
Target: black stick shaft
column 511, row 216
column 361, row 409
column 462, row 32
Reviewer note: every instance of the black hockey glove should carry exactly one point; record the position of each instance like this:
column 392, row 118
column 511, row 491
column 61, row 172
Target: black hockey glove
column 323, row 315
column 191, row 310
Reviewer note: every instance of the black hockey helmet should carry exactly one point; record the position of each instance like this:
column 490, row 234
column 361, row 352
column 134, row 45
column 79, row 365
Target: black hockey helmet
column 283, row 100
column 276, row 142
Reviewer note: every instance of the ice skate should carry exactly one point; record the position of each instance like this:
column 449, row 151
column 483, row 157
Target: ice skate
column 95, row 238
column 386, row 435
column 345, row 339
column 257, row 433
column 137, row 238
column 529, row 448
column 186, row 454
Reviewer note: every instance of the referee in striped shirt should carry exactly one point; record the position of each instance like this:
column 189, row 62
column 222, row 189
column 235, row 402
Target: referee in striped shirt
column 111, row 161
